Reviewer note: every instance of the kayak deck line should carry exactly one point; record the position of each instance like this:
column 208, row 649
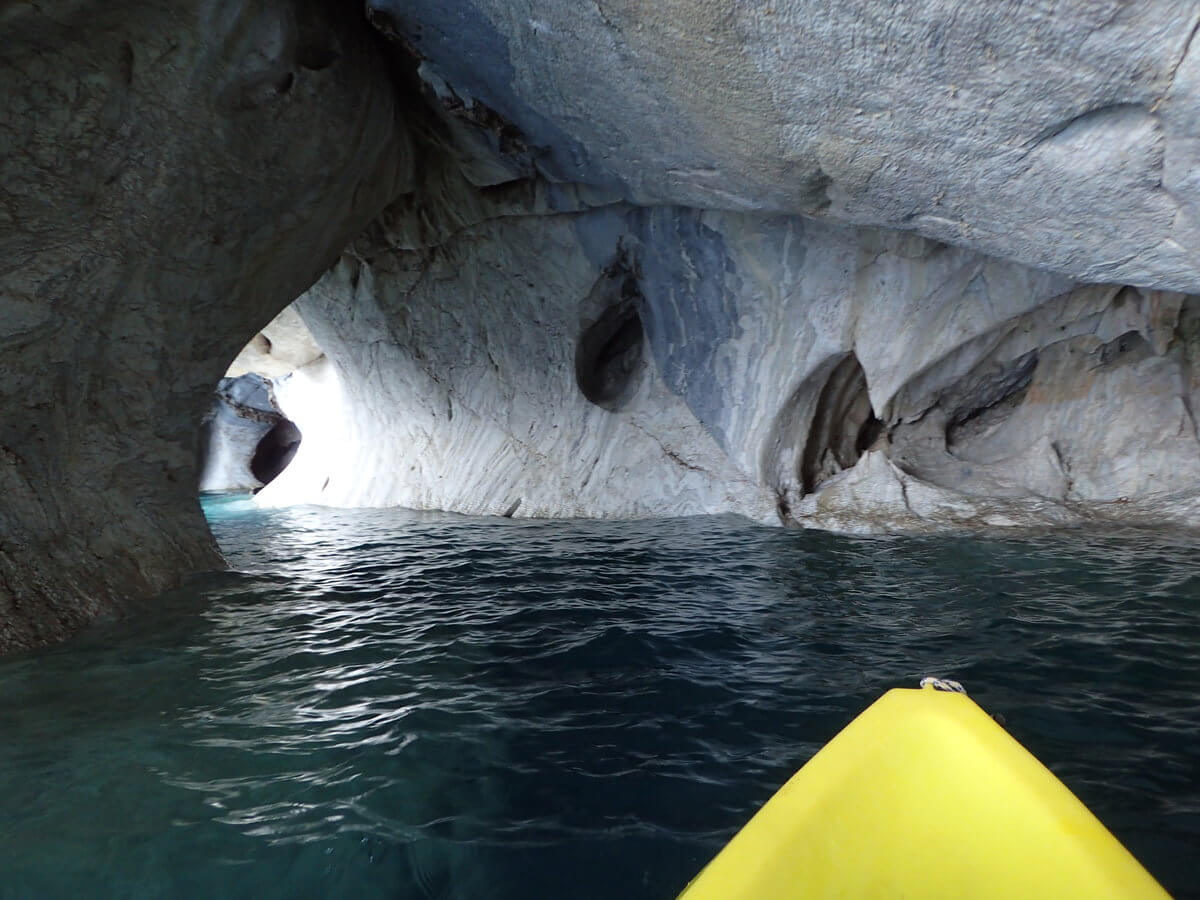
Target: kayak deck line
column 923, row 795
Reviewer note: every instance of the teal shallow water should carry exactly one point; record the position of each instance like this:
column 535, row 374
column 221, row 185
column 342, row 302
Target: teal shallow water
column 402, row 705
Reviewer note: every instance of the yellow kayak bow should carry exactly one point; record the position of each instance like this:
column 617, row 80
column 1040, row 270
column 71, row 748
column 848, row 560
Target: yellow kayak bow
column 923, row 795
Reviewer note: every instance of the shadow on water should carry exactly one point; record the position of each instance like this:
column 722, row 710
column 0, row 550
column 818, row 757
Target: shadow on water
column 396, row 704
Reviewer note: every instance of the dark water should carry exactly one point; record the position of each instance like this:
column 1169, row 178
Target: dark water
column 390, row 704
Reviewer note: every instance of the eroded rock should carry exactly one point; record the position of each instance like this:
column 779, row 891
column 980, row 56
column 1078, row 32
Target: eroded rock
column 283, row 346
column 246, row 440
column 621, row 361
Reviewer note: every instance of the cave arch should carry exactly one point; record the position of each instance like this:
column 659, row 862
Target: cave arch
column 181, row 227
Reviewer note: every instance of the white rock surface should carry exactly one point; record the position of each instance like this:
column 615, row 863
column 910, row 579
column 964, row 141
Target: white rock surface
column 283, row 346
column 312, row 397
column 455, row 388
column 774, row 351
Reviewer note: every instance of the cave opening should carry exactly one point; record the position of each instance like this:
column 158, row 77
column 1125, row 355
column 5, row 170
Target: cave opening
column 249, row 436
column 246, row 439
column 844, row 425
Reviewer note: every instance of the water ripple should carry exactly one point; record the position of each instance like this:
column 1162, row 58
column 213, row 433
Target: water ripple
column 391, row 704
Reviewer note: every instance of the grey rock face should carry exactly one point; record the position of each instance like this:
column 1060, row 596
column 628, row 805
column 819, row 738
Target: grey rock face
column 1064, row 136
column 173, row 174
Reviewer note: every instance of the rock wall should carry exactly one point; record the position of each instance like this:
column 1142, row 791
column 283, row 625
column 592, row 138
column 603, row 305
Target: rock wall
column 284, row 345
column 456, row 369
column 557, row 358
column 1061, row 135
column 171, row 174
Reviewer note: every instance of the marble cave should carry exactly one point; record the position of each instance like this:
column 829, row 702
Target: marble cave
column 851, row 266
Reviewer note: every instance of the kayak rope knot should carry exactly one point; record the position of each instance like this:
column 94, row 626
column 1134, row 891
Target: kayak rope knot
column 942, row 684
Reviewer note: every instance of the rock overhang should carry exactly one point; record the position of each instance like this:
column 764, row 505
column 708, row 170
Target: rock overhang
column 1064, row 140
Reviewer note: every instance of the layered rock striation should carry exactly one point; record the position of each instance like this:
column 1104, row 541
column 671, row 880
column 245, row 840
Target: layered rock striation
column 856, row 265
column 1061, row 135
column 621, row 361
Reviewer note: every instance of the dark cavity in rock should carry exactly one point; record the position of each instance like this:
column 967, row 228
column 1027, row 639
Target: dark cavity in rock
column 317, row 45
column 844, row 425
column 610, row 352
column 275, row 451
column 988, row 396
column 1124, row 350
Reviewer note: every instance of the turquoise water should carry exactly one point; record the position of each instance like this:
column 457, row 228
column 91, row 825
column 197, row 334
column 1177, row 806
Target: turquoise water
column 402, row 705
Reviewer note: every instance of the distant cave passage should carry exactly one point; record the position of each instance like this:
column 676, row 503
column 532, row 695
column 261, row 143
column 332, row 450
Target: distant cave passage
column 609, row 353
column 843, row 427
column 275, row 450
